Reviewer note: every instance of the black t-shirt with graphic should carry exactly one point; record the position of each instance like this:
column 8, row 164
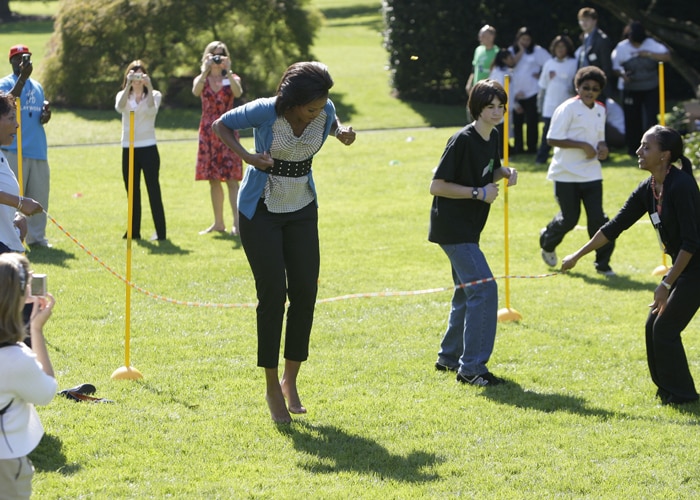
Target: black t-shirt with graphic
column 468, row 160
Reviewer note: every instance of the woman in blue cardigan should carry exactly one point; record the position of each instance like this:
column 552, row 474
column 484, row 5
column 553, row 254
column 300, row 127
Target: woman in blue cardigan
column 279, row 217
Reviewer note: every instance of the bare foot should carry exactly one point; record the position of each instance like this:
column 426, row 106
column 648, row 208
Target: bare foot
column 292, row 397
column 213, row 228
column 278, row 410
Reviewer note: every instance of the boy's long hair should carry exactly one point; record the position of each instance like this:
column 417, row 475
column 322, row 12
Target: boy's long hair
column 482, row 95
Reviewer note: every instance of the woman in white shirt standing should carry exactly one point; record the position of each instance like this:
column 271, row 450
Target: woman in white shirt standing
column 138, row 95
column 529, row 59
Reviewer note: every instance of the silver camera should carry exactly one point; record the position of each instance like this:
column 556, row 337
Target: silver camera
column 38, row 285
column 137, row 76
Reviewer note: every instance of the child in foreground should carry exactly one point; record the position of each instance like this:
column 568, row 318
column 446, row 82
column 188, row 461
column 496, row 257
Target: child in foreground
column 463, row 187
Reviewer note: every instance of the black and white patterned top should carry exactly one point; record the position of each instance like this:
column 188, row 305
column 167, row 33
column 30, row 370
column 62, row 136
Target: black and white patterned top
column 289, row 194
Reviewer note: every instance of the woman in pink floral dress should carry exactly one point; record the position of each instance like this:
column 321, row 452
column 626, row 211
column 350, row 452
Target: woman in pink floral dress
column 217, row 86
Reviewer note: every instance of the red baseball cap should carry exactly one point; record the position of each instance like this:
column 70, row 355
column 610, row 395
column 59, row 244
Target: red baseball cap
column 19, row 49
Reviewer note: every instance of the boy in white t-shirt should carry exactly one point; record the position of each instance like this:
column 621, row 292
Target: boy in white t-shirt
column 577, row 133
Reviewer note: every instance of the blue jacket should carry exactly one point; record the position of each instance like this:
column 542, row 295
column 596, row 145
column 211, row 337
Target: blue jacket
column 260, row 115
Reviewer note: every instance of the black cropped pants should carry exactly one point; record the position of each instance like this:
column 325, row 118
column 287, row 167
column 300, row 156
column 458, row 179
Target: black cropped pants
column 283, row 253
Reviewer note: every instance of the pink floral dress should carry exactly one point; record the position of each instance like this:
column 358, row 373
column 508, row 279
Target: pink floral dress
column 215, row 160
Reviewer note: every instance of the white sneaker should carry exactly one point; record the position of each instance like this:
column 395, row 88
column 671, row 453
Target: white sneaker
column 608, row 273
column 549, row 258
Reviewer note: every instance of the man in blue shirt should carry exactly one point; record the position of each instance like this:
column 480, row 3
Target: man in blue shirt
column 35, row 113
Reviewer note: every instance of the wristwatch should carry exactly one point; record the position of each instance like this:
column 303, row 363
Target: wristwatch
column 475, row 193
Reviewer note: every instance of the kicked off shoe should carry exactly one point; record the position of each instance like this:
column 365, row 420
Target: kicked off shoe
column 482, row 380
column 549, row 258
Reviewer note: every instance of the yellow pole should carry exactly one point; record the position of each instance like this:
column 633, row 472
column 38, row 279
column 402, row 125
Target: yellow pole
column 663, row 268
column 20, row 170
column 506, row 314
column 127, row 371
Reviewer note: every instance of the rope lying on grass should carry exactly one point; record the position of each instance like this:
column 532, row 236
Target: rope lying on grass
column 319, row 301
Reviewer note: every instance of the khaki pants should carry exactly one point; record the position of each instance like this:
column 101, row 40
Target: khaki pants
column 16, row 478
column 36, row 177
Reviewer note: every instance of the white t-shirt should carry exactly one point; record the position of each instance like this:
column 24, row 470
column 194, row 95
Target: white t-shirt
column 575, row 121
column 559, row 86
column 525, row 73
column 24, row 383
column 624, row 51
column 8, row 184
column 615, row 115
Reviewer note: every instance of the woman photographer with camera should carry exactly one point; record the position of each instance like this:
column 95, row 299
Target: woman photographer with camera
column 217, row 86
column 139, row 96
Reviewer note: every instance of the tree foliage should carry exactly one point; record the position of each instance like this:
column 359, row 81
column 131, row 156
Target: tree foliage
column 431, row 44
column 94, row 41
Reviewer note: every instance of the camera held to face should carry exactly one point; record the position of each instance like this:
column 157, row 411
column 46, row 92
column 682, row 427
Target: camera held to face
column 137, row 76
column 217, row 59
column 38, row 288
column 26, row 59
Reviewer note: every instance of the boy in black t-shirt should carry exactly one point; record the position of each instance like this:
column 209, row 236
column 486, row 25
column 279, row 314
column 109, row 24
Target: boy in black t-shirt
column 464, row 186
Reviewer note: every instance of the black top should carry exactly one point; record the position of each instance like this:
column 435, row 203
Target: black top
column 680, row 214
column 468, row 160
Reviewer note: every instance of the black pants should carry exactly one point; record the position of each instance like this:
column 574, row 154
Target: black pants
column 641, row 108
column 668, row 364
column 283, row 253
column 545, row 148
column 146, row 160
column 569, row 196
column 531, row 119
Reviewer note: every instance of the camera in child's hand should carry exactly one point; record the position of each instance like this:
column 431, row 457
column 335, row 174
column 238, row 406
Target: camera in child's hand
column 38, row 285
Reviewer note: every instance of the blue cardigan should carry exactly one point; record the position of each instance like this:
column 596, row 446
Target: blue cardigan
column 260, row 115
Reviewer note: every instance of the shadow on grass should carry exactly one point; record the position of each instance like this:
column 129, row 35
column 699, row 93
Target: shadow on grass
column 167, row 395
column 54, row 256
column 619, row 282
column 164, row 247
column 375, row 21
column 338, row 451
column 49, row 457
column 514, row 395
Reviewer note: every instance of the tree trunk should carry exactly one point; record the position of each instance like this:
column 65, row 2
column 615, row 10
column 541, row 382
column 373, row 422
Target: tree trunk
column 5, row 12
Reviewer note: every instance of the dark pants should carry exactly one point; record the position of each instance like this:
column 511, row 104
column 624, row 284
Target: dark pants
column 665, row 354
column 641, row 108
column 569, row 195
column 531, row 119
column 283, row 253
column 146, row 160
column 543, row 151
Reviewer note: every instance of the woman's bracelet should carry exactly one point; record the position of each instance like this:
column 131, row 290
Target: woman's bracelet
column 665, row 285
column 19, row 205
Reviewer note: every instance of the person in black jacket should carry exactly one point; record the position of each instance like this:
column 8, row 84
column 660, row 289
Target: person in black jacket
column 671, row 198
column 596, row 48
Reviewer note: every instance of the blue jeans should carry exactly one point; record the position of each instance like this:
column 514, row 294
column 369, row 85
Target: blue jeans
column 471, row 328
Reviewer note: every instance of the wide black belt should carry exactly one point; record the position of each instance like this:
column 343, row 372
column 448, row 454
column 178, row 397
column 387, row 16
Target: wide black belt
column 290, row 168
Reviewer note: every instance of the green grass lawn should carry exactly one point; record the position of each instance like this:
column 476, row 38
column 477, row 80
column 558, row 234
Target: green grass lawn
column 578, row 418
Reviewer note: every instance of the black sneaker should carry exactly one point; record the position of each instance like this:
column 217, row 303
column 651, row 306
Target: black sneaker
column 445, row 368
column 482, row 380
